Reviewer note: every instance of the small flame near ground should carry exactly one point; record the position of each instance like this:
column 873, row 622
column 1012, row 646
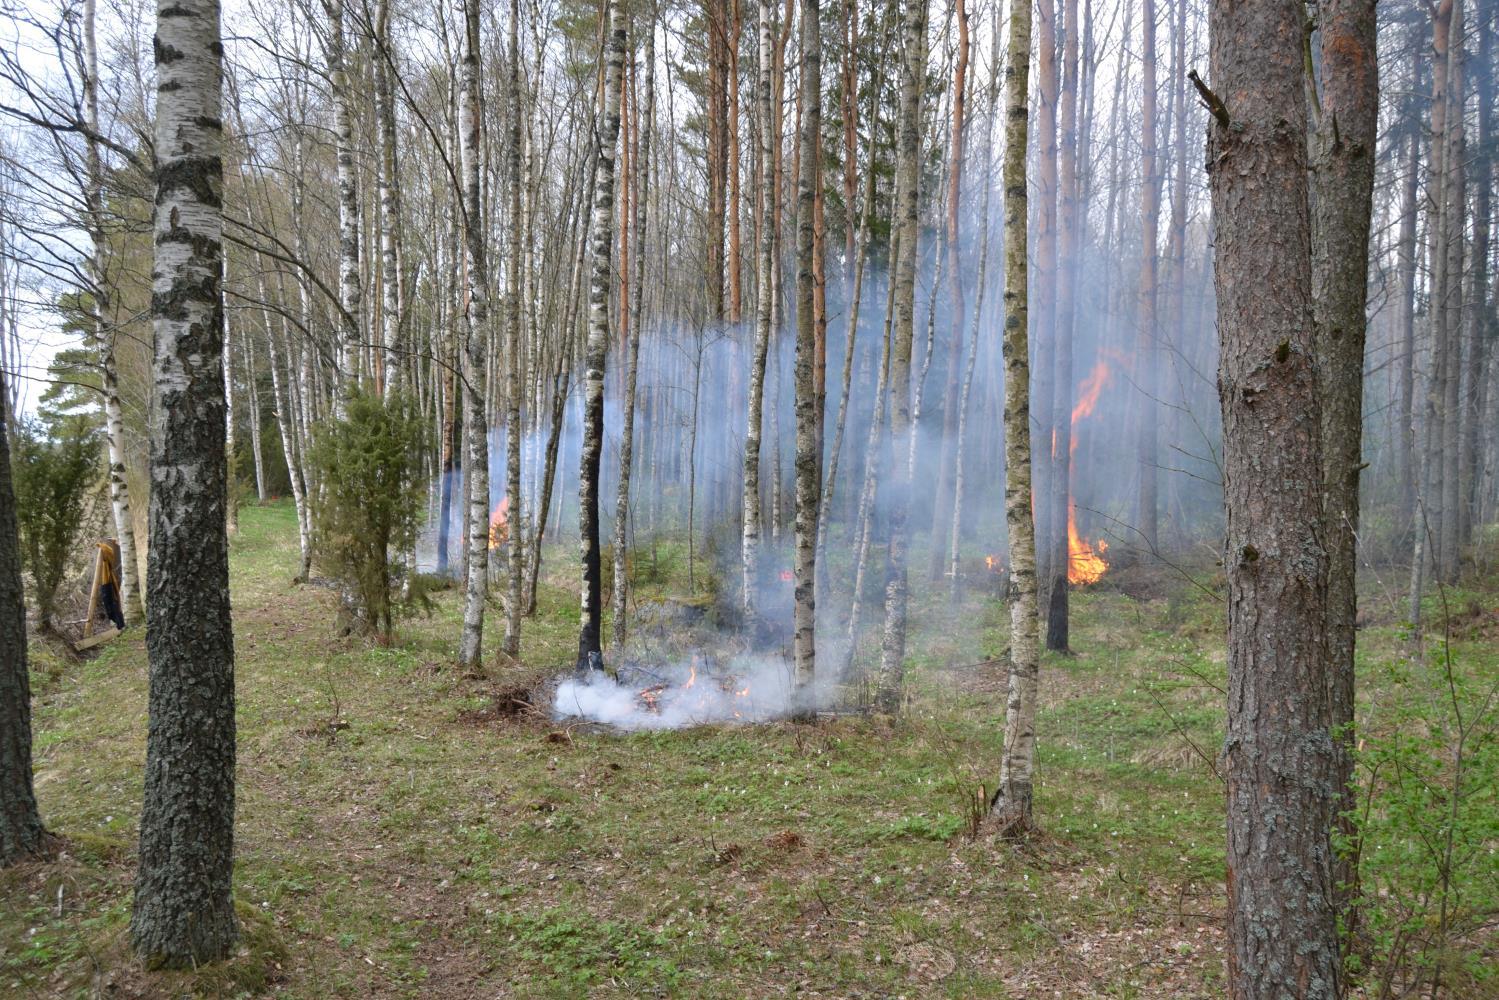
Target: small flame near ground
column 1085, row 562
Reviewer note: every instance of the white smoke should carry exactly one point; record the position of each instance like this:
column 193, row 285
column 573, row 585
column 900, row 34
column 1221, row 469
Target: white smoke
column 742, row 689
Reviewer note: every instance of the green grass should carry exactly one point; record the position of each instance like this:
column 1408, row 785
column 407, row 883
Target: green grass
column 428, row 850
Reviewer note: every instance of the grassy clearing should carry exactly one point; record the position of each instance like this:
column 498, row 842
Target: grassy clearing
column 424, row 847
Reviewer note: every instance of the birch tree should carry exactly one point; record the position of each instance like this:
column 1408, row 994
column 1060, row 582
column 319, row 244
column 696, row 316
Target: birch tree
column 183, row 915
column 1011, row 807
column 475, row 352
column 808, row 438
column 601, row 240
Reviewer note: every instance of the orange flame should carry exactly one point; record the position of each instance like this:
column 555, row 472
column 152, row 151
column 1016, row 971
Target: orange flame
column 1085, row 564
column 499, row 523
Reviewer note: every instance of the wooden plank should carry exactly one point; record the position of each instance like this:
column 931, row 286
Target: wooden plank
column 97, row 639
column 93, row 595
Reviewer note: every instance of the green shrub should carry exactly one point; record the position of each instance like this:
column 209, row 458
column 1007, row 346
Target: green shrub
column 54, row 475
column 372, row 501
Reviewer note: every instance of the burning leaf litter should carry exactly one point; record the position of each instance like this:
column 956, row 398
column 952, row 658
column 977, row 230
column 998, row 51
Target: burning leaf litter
column 699, row 692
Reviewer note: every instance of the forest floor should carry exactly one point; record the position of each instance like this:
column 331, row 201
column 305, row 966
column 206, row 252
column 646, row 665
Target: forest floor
column 400, row 835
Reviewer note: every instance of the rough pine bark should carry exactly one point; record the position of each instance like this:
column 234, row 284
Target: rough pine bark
column 1279, row 753
column 808, row 454
column 1343, row 188
column 907, row 218
column 601, row 240
column 632, row 362
column 749, row 545
column 183, row 915
column 1011, row 808
column 21, row 831
column 475, row 360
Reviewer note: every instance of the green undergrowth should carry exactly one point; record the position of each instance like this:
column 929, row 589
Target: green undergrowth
column 398, row 835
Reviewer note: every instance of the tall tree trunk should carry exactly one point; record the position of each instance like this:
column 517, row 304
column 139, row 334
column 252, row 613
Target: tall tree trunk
column 601, row 238
column 1282, row 927
column 1062, row 326
column 902, row 429
column 1406, row 252
column 391, row 306
column 475, row 367
column 749, row 546
column 1145, row 344
column 1042, row 310
column 21, row 831
column 350, row 293
column 1012, row 804
column 808, row 454
column 632, row 363
column 942, row 497
column 104, row 330
column 183, row 915
column 1343, row 199
column 226, row 353
column 515, row 362
column 250, row 384
column 1480, row 314
column 1454, row 238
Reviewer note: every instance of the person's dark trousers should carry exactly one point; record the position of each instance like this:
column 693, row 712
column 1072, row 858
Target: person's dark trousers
column 112, row 605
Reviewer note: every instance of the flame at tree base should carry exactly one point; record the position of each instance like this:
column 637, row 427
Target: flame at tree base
column 1085, row 564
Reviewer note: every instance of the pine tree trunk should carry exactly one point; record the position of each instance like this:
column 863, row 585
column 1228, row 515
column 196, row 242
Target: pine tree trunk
column 1145, row 344
column 601, row 238
column 183, row 914
column 1406, row 252
column 1011, row 808
column 942, row 504
column 1342, row 189
column 21, row 831
column 627, row 431
column 1280, row 759
column 902, row 429
column 1454, row 240
column 476, row 350
column 808, row 454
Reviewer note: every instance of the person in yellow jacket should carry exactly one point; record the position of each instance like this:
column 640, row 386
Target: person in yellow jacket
column 109, row 581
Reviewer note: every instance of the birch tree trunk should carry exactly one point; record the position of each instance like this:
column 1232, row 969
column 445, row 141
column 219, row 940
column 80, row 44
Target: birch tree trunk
column 808, row 454
column 627, row 431
column 21, row 832
column 902, row 430
column 601, row 238
column 183, row 914
column 1280, row 759
column 350, row 294
column 475, row 358
column 255, row 452
column 1342, row 188
column 226, row 353
column 515, row 362
column 749, row 546
column 104, row 331
column 391, row 305
column 1011, row 807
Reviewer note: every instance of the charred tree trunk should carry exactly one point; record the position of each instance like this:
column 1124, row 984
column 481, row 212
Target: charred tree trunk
column 183, row 915
column 601, row 237
column 1281, row 762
